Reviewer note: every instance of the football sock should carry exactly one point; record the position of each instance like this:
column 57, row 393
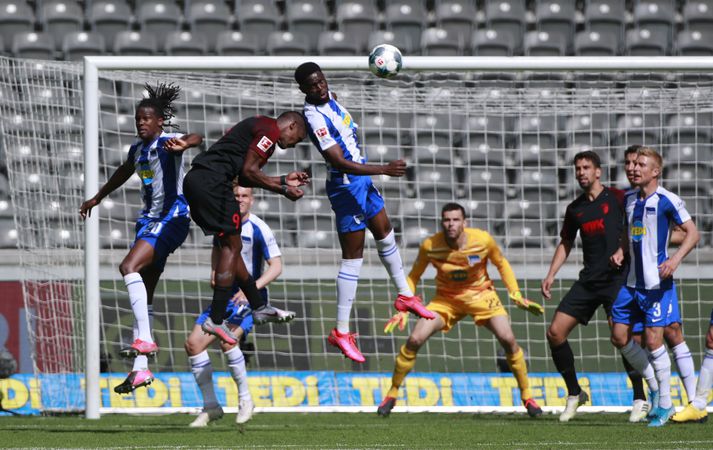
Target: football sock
column 404, row 363
column 391, row 259
column 137, row 296
column 203, row 373
column 637, row 382
column 347, row 281
column 236, row 362
column 221, row 297
column 252, row 293
column 141, row 362
column 662, row 366
column 564, row 362
column 518, row 367
column 684, row 361
column 705, row 379
column 638, row 358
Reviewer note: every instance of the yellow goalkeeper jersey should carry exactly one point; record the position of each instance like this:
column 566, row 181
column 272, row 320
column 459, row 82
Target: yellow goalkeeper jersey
column 462, row 270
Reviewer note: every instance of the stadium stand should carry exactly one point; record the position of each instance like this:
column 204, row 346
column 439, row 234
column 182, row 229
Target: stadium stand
column 33, row 45
column 77, row 44
column 209, row 19
column 15, row 17
column 159, row 18
column 357, row 20
column 407, row 21
column 308, row 18
column 60, row 18
column 109, row 18
column 236, row 43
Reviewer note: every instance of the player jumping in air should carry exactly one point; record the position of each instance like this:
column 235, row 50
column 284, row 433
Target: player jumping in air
column 649, row 294
column 208, row 187
column 259, row 246
column 157, row 158
column 597, row 215
column 463, row 288
column 355, row 201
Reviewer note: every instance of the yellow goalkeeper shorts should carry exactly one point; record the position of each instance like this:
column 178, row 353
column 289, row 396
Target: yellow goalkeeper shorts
column 481, row 306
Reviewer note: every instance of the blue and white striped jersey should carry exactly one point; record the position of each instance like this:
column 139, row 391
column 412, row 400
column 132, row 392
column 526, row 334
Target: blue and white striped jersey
column 161, row 175
column 649, row 224
column 259, row 245
column 331, row 124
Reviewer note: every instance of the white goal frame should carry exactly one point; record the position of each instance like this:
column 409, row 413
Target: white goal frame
column 92, row 65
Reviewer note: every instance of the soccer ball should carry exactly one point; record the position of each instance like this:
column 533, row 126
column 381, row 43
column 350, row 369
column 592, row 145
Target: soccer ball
column 385, row 61
column 8, row 365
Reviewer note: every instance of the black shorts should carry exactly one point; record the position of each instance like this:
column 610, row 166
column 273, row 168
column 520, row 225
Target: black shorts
column 582, row 301
column 213, row 205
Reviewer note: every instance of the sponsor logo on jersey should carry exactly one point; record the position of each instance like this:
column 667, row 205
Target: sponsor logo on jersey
column 593, row 227
column 458, row 275
column 321, row 132
column 265, row 144
column 146, row 174
column 638, row 231
column 473, row 260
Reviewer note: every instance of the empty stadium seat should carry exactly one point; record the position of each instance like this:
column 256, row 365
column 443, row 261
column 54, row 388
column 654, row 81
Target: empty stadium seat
column 535, row 140
column 434, row 137
column 236, row 43
column 15, row 17
column 332, row 43
column 698, row 15
column 307, row 17
column 542, row 43
column 606, row 17
column 591, row 130
column 438, row 42
column 482, row 202
column 357, row 20
column 528, row 233
column 389, row 37
column 134, row 43
column 642, row 42
column 258, row 19
column 635, row 128
column 658, row 17
column 78, row 44
column 32, row 45
column 556, row 18
column 185, row 43
column 406, row 21
column 695, row 43
column 506, row 17
column 159, row 18
column 8, row 233
column 109, row 17
column 285, row 43
column 594, row 43
column 381, row 129
column 61, row 17
column 485, row 140
column 457, row 18
column 209, row 18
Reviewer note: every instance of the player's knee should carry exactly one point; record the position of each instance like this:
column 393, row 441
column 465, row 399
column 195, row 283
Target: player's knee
column 619, row 340
column 673, row 334
column 191, row 347
column 225, row 347
column 415, row 342
column 554, row 336
column 126, row 268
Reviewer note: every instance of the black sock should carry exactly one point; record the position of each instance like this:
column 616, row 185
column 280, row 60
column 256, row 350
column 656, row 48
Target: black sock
column 564, row 362
column 252, row 293
column 221, row 297
column 637, row 383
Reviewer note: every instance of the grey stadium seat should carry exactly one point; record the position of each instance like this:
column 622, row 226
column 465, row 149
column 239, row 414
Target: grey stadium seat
column 528, row 233
column 489, row 42
column 695, row 43
column 594, row 43
column 60, row 18
column 506, row 17
column 285, row 43
column 639, row 129
column 657, row 16
column 308, row 18
column 332, row 43
column 589, row 130
column 542, row 43
column 236, row 43
column 134, row 43
column 406, row 21
column 357, row 20
column 434, row 137
column 389, row 37
column 109, row 17
column 484, row 203
column 438, row 42
column 159, row 17
column 606, row 17
column 485, row 140
column 458, row 18
column 29, row 44
column 557, row 19
column 184, row 43
column 209, row 19
column 642, row 42
column 258, row 19
column 78, row 44
column 535, row 140
column 15, row 17
column 8, row 233
column 698, row 15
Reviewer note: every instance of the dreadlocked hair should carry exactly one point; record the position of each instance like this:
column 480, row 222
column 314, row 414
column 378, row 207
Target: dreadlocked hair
column 161, row 99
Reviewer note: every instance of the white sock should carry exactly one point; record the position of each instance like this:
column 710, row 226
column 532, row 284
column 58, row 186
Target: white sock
column 141, row 362
column 203, row 373
column 236, row 362
column 391, row 259
column 137, row 296
column 705, row 379
column 684, row 361
column 639, row 360
column 347, row 281
column 662, row 366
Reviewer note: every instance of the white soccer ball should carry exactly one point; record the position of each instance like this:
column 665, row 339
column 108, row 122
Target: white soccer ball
column 385, row 61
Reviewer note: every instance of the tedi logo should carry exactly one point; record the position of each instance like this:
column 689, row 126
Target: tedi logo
column 638, row 231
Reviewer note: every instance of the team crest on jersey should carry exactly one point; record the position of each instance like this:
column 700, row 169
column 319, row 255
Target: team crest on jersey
column 638, row 231
column 473, row 260
column 458, row 275
column 650, row 210
column 264, row 144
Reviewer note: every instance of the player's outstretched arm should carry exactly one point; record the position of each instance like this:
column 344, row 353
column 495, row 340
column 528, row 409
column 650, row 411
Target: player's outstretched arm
column 119, row 177
column 253, row 176
column 336, row 159
column 180, row 144
column 668, row 267
column 558, row 259
column 274, row 269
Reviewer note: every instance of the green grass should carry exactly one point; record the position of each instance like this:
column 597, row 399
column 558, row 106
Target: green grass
column 326, row 431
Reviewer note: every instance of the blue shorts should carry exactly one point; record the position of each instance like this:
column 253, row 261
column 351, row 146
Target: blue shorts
column 240, row 316
column 165, row 235
column 651, row 308
column 355, row 203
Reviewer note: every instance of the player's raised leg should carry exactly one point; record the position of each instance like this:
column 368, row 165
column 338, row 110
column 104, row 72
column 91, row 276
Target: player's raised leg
column 696, row 410
column 406, row 359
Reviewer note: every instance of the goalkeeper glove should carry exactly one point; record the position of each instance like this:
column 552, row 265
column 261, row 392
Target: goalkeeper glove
column 527, row 304
column 399, row 319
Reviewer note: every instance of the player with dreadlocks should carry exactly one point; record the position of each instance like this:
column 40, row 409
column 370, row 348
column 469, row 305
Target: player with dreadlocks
column 162, row 226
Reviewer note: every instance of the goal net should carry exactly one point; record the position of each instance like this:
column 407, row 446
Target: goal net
column 498, row 142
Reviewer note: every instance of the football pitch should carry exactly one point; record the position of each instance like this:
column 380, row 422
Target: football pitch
column 346, row 431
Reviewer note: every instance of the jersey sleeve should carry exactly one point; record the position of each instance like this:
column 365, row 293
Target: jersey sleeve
column 265, row 135
column 419, row 266
column 675, row 209
column 269, row 243
column 320, row 129
column 569, row 226
column 503, row 266
column 131, row 156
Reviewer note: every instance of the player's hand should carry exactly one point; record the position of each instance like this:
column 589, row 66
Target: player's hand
column 395, row 168
column 399, row 319
column 293, row 193
column 527, row 304
column 86, row 209
column 297, row 178
column 667, row 268
column 617, row 259
column 239, row 298
column 175, row 145
column 546, row 287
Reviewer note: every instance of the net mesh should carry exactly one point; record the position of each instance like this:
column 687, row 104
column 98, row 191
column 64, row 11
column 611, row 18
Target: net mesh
column 500, row 144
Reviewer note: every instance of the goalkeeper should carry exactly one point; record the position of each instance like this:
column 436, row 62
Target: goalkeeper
column 463, row 287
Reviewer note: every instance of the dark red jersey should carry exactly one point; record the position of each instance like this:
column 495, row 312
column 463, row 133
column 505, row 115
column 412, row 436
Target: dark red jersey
column 258, row 134
column 600, row 223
